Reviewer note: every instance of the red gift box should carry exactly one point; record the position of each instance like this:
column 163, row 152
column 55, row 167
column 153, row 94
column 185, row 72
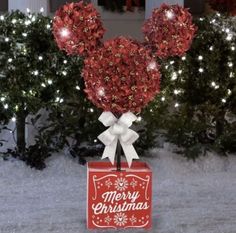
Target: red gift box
column 119, row 199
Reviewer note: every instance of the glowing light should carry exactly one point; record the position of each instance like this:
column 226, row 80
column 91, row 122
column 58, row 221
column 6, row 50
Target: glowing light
column 49, row 81
column 41, row 9
column 176, row 92
column 7, row 39
column 36, row 72
column 10, row 60
column 61, row 100
column 57, row 99
column 40, row 58
column 27, row 22
column 230, row 64
column 223, row 100
column 176, row 105
column 172, row 62
column 77, row 87
column 231, row 75
column 65, row 61
column 2, row 17
column 101, row 92
column 174, row 76
column 233, row 48
column 152, row 66
column 139, row 119
column 201, row 70
column 180, row 71
column 48, row 26
column 13, row 119
column 201, row 19
column 64, row 32
column 27, row 10
column 229, row 92
column 213, row 84
column 2, row 99
column 6, row 106
column 24, row 34
column 64, row 73
column 200, row 58
column 211, row 48
column 183, row 58
column 91, row 110
column 14, row 21
column 43, row 85
column 95, row 140
column 229, row 37
column 170, row 14
column 163, row 99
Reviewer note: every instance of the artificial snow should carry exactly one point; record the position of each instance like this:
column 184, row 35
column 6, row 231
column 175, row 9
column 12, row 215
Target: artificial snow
column 188, row 197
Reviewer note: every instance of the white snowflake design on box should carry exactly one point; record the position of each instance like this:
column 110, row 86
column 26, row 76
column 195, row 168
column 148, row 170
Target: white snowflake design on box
column 133, row 219
column 121, row 184
column 120, row 219
column 108, row 183
column 133, row 183
column 107, row 219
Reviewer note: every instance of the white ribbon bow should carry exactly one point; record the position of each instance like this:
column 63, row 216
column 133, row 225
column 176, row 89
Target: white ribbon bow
column 118, row 130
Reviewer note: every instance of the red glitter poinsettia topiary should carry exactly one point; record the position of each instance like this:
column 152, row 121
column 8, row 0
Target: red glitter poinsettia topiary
column 169, row 31
column 121, row 76
column 77, row 28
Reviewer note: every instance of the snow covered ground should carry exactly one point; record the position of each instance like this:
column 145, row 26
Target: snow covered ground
column 188, row 197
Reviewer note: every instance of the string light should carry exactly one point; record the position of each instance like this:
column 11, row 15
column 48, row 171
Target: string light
column 233, row 48
column 10, row 60
column 6, row 106
column 163, row 98
column 24, row 34
column 77, row 87
column 139, row 119
column 27, row 22
column 91, row 110
column 176, row 92
column 40, row 58
column 229, row 92
column 64, row 73
column 7, row 39
column 229, row 37
column 14, row 21
column 211, row 48
column 200, row 58
column 65, row 61
column 49, row 81
column 201, row 70
column 223, row 100
column 176, row 105
column 213, row 84
column 13, row 119
column 2, row 17
column 183, row 58
column 230, row 64
column 174, row 76
column 27, row 10
column 41, row 9
column 48, row 26
column 43, row 85
column 36, row 72
column 172, row 62
column 180, row 71
column 2, row 99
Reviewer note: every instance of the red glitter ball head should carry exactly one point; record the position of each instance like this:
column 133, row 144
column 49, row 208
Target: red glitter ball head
column 121, row 76
column 77, row 28
column 169, row 31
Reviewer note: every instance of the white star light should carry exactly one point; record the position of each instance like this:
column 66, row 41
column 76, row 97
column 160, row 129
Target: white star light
column 170, row 14
column 64, row 32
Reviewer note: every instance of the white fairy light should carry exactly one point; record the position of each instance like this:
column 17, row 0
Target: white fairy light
column 183, row 58
column 200, row 58
column 229, row 92
column 64, row 72
column 61, row 100
column 230, row 64
column 57, row 99
column 231, row 75
column 14, row 32
column 5, row 106
column 95, row 140
column 163, row 98
column 40, row 58
column 91, row 110
column 77, row 87
column 174, row 76
column 172, row 62
column 27, row 22
column 33, row 18
column 229, row 37
column 170, row 14
column 27, row 10
column 139, row 119
column 201, row 19
column 166, row 67
column 48, row 26
column 227, row 30
column 10, row 60
column 233, row 48
column 65, row 61
column 201, row 70
column 217, row 87
column 176, row 105
column 41, row 9
column 223, row 100
column 64, row 32
column 14, row 21
column 7, row 39
column 36, row 72
column 2, row 99
column 24, row 34
column 213, row 84
column 43, row 85
column 49, row 81
column 2, row 17
column 13, row 119
column 176, row 92
column 180, row 71
column 211, row 48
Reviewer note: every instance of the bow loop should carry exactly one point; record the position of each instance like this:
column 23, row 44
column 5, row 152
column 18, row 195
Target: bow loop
column 118, row 130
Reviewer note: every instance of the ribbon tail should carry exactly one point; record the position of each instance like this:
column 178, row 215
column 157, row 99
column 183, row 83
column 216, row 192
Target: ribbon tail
column 110, row 151
column 130, row 153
